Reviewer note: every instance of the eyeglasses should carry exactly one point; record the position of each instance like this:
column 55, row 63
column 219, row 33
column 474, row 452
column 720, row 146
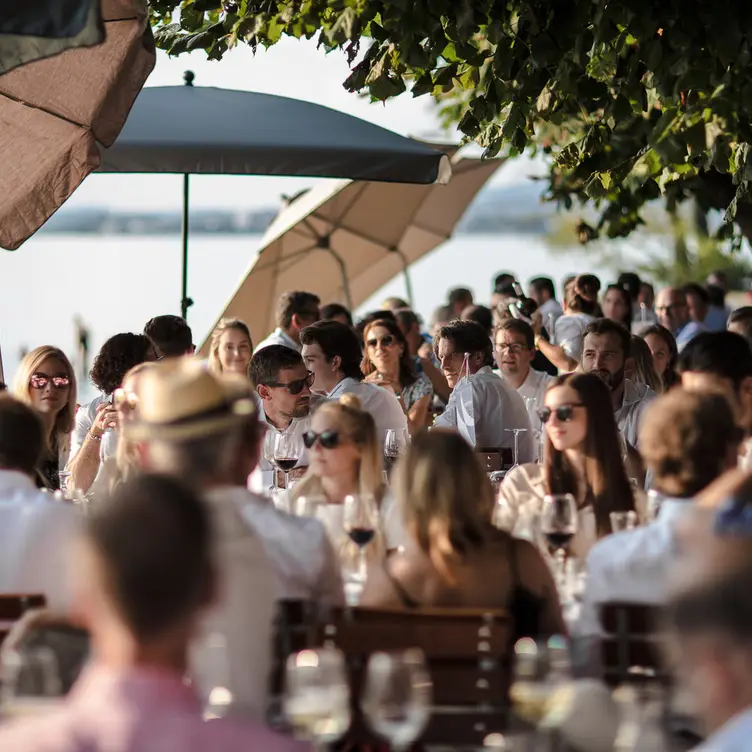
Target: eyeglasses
column 327, row 439
column 667, row 308
column 564, row 413
column 122, row 399
column 294, row 387
column 40, row 381
column 386, row 341
column 515, row 348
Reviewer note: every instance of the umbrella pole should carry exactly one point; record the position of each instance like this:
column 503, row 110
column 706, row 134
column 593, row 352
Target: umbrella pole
column 185, row 301
column 406, row 273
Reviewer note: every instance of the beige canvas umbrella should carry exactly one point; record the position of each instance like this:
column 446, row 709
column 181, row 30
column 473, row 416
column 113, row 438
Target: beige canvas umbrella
column 343, row 241
column 54, row 111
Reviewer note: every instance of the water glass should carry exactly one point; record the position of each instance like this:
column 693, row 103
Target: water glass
column 64, row 478
column 397, row 697
column 621, row 521
column 530, row 691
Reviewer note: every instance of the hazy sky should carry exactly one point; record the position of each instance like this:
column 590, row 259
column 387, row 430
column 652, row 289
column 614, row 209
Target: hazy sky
column 291, row 68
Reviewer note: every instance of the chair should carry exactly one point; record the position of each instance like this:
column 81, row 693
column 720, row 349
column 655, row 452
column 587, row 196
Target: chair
column 13, row 607
column 467, row 652
column 630, row 640
column 495, row 459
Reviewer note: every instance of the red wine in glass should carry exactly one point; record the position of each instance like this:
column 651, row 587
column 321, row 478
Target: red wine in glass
column 361, row 536
column 559, row 540
column 285, row 464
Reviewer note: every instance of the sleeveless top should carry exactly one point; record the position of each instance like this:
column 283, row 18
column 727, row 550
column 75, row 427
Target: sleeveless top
column 525, row 607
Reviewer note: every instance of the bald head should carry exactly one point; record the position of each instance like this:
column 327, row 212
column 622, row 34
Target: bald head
column 671, row 308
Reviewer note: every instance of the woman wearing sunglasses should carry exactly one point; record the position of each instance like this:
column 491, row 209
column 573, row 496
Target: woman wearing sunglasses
column 46, row 381
column 451, row 547
column 388, row 363
column 583, row 457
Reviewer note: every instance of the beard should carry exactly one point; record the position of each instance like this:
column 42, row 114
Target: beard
column 611, row 380
column 302, row 408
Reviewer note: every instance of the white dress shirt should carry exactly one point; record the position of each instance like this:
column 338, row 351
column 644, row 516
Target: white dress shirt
column 382, row 404
column 734, row 736
column 297, row 427
column 534, row 388
column 243, row 615
column 107, row 446
column 631, row 566
column 279, row 337
column 299, row 547
column 637, row 399
column 36, row 532
column 493, row 407
column 568, row 331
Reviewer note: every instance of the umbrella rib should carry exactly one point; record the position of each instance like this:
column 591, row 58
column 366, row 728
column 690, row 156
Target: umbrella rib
column 45, row 110
column 278, row 263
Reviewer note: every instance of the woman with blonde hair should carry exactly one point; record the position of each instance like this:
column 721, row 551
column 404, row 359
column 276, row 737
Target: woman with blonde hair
column 451, row 546
column 46, row 381
column 231, row 347
column 640, row 366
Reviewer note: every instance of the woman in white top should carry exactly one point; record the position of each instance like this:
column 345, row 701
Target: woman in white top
column 231, row 347
column 46, row 382
column 345, row 458
column 582, row 458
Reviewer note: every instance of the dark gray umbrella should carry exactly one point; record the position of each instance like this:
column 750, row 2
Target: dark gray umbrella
column 205, row 130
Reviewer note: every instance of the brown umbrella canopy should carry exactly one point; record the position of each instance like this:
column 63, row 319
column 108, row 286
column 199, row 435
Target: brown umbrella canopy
column 53, row 112
column 343, row 241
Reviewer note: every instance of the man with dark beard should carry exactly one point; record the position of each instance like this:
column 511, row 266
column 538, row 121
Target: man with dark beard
column 605, row 349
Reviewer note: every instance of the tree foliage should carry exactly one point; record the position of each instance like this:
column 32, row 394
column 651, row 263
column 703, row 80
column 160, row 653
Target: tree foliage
column 632, row 99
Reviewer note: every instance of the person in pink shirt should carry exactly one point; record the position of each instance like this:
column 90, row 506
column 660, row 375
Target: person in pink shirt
column 145, row 575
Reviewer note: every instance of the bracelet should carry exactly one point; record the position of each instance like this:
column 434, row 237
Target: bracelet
column 537, row 341
column 90, row 435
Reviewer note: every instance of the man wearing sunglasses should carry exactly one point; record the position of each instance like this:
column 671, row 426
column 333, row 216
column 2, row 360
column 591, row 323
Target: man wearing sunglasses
column 295, row 311
column 605, row 349
column 481, row 407
column 332, row 353
column 284, row 387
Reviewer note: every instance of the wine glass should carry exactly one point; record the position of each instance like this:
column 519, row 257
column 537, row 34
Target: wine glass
column 395, row 443
column 530, row 691
column 213, row 670
column 30, row 682
column 558, row 524
column 361, row 518
column 267, row 451
column 516, row 432
column 64, row 479
column 623, row 521
column 317, row 695
column 286, row 454
column 397, row 697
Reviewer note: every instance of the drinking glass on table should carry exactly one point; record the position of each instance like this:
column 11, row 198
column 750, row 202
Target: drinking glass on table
column 317, row 695
column 395, row 444
column 516, row 432
column 397, row 697
column 530, row 691
column 361, row 518
column 287, row 452
column 30, row 682
column 623, row 521
column 558, row 524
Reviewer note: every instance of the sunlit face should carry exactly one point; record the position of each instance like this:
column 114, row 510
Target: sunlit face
column 568, row 434
column 49, row 399
column 602, row 355
column 451, row 362
column 614, row 306
column 284, row 403
column 342, row 460
column 661, row 352
column 513, row 356
column 234, row 351
column 383, row 349
column 325, row 372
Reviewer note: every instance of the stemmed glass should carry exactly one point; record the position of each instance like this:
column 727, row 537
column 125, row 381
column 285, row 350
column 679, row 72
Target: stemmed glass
column 317, row 695
column 361, row 518
column 516, row 432
column 558, row 524
column 397, row 697
column 623, row 521
column 286, row 454
column 654, row 504
column 530, row 691
column 395, row 443
column 30, row 682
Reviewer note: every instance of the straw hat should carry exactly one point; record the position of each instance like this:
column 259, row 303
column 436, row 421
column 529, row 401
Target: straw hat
column 179, row 401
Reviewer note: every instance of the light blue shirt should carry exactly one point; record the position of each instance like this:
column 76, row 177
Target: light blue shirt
column 734, row 736
column 690, row 330
column 716, row 319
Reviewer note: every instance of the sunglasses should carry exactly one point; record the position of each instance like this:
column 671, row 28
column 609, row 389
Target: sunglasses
column 295, row 387
column 40, row 381
column 385, row 341
column 327, row 439
column 123, row 399
column 564, row 413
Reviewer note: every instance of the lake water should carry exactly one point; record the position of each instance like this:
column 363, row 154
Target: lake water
column 116, row 283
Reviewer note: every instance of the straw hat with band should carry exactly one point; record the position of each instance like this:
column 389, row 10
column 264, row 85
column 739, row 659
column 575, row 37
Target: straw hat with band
column 188, row 402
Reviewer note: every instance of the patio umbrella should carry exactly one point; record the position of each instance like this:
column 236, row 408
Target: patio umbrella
column 53, row 111
column 344, row 241
column 205, row 130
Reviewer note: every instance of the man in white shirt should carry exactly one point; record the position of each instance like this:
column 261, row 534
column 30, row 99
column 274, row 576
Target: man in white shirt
column 36, row 530
column 515, row 349
column 295, row 311
column 605, row 350
column 482, row 408
column 687, row 440
column 331, row 352
column 542, row 291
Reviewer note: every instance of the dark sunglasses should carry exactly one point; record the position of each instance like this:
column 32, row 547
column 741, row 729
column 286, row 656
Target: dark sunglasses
column 40, row 381
column 295, row 387
column 386, row 341
column 564, row 413
column 327, row 439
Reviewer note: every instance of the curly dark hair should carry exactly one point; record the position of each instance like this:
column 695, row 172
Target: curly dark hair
column 117, row 356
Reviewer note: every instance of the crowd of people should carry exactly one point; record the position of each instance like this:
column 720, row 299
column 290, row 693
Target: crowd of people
column 214, row 488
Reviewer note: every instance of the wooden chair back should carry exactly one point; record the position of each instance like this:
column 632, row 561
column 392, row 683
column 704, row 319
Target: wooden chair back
column 495, row 459
column 467, row 652
column 295, row 630
column 13, row 607
column 631, row 639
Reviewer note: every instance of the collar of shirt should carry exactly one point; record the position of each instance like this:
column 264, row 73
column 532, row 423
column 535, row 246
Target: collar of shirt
column 733, row 736
column 287, row 339
column 339, row 390
column 13, row 481
column 634, row 392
